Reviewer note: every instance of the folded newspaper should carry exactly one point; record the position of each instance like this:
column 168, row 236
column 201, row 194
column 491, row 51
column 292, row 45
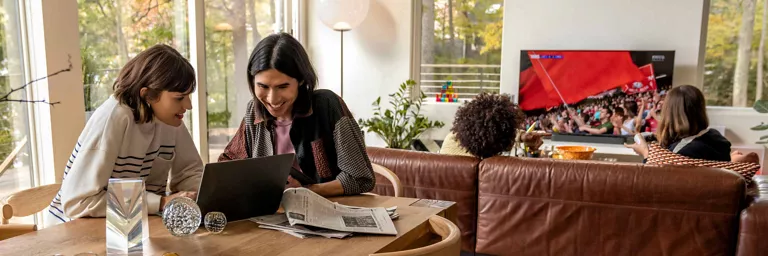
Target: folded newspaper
column 307, row 213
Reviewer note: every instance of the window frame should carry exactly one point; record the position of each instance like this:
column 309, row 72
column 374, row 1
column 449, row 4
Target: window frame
column 415, row 61
column 294, row 13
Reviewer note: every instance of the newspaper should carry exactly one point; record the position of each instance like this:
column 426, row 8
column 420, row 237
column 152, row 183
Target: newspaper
column 280, row 222
column 302, row 206
column 432, row 203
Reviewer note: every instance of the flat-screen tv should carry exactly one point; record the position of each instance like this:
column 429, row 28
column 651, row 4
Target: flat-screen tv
column 554, row 83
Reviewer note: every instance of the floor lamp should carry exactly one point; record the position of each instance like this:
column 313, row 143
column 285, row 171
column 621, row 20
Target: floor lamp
column 343, row 15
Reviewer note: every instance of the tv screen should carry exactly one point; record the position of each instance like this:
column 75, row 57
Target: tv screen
column 576, row 91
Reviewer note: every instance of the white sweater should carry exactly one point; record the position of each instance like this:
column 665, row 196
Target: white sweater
column 112, row 145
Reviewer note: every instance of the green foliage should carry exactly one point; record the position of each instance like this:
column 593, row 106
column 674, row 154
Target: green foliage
column 477, row 27
column 721, row 47
column 6, row 109
column 219, row 119
column 111, row 32
column 401, row 124
column 761, row 106
column 90, row 77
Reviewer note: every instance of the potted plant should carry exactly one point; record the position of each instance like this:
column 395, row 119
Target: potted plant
column 761, row 106
column 401, row 124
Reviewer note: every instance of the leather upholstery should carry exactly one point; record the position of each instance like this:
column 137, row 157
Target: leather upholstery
column 522, row 206
column 753, row 230
column 433, row 176
column 553, row 207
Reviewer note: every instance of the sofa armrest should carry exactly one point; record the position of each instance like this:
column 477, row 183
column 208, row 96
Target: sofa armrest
column 753, row 229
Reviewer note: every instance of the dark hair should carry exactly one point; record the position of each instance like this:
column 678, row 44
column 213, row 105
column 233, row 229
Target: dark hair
column 630, row 108
column 607, row 110
column 619, row 112
column 159, row 68
column 684, row 114
column 486, row 126
column 283, row 53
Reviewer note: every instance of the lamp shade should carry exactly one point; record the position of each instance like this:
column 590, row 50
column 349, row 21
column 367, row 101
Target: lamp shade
column 343, row 15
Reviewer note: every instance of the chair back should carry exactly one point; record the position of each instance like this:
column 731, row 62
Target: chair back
column 24, row 203
column 449, row 243
column 391, row 176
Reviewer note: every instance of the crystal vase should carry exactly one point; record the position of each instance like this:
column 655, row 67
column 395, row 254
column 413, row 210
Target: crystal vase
column 127, row 220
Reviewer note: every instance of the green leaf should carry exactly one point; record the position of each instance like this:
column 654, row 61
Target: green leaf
column 761, row 127
column 401, row 122
column 764, row 137
column 761, row 106
column 762, row 142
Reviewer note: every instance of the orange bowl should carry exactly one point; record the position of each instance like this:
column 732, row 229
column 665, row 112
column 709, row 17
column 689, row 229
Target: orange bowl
column 575, row 152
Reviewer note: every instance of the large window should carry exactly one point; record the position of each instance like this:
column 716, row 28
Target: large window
column 461, row 43
column 232, row 30
column 734, row 67
column 15, row 156
column 114, row 31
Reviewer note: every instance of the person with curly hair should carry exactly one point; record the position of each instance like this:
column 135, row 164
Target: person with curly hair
column 484, row 127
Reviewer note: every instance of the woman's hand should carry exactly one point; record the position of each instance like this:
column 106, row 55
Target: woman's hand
column 188, row 194
column 328, row 189
column 738, row 157
column 292, row 183
column 616, row 121
column 640, row 146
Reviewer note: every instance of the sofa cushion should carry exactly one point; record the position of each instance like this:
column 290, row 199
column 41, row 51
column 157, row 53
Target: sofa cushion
column 556, row 207
column 433, row 176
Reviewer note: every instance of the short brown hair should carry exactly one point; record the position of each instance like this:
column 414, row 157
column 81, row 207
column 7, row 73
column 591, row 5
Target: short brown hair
column 486, row 126
column 684, row 114
column 159, row 68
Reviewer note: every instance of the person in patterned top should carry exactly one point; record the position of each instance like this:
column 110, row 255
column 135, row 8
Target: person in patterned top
column 287, row 115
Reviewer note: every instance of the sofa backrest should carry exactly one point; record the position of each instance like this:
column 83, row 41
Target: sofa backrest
column 556, row 207
column 433, row 176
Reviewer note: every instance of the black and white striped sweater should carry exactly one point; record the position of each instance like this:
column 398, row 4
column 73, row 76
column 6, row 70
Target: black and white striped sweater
column 112, row 145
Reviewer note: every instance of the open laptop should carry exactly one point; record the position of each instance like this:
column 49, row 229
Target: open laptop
column 244, row 188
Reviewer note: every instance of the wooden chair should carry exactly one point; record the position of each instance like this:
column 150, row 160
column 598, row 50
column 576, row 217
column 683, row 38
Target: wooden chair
column 449, row 243
column 391, row 176
column 24, row 203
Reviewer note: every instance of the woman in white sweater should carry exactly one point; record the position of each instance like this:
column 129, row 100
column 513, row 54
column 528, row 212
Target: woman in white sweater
column 137, row 133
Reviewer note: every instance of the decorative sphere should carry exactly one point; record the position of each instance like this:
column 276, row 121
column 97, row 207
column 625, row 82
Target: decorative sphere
column 215, row 222
column 181, row 216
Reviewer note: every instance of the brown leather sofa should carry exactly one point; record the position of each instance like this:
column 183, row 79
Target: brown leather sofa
column 519, row 206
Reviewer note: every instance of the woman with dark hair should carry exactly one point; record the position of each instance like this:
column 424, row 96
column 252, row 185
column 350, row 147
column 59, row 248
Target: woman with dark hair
column 287, row 115
column 683, row 128
column 629, row 123
column 137, row 133
column 485, row 126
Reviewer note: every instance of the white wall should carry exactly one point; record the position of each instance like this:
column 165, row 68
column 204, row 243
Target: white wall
column 603, row 25
column 376, row 55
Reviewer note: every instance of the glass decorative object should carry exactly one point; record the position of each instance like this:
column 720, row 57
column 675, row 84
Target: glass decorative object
column 127, row 219
column 215, row 222
column 181, row 216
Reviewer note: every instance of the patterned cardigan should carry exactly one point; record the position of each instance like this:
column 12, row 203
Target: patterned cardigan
column 328, row 142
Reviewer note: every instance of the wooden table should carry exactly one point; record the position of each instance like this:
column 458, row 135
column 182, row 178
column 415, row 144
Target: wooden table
column 239, row 238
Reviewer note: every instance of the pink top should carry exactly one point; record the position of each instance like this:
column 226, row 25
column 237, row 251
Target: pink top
column 283, row 144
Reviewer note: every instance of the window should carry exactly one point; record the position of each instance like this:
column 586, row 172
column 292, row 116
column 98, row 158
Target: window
column 114, row 31
column 461, row 43
column 731, row 75
column 232, row 30
column 16, row 169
